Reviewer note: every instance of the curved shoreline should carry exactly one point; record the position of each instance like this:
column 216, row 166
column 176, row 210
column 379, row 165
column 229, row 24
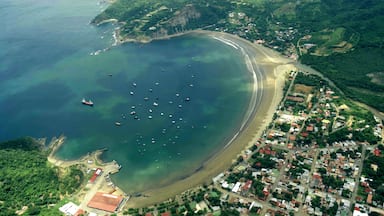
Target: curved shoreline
column 268, row 81
column 267, row 70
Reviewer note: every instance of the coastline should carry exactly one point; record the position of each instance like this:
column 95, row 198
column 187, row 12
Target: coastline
column 90, row 161
column 271, row 68
column 268, row 69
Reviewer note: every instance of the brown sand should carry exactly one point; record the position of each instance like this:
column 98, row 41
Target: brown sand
column 275, row 67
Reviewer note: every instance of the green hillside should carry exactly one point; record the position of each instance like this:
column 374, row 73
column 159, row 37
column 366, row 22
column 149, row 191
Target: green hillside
column 343, row 39
column 29, row 185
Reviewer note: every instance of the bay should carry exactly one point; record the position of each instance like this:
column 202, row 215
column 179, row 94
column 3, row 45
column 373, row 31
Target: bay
column 177, row 101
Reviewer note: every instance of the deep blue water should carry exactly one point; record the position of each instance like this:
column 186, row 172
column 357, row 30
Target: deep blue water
column 189, row 93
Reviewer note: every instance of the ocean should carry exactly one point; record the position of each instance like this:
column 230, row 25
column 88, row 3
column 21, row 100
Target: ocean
column 160, row 109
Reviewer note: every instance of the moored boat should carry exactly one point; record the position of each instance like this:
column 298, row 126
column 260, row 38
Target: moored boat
column 85, row 102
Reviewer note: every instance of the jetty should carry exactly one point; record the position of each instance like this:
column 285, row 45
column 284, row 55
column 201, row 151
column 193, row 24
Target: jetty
column 91, row 162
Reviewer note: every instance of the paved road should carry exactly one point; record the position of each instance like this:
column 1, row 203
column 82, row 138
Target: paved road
column 357, row 178
column 98, row 185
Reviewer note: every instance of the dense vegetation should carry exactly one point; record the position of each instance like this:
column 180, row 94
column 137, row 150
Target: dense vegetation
column 357, row 72
column 343, row 39
column 26, row 178
column 377, row 182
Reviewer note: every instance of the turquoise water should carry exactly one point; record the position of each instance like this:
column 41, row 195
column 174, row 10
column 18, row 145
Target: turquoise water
column 189, row 94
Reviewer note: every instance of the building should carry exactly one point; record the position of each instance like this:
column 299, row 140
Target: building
column 95, row 175
column 105, row 202
column 71, row 209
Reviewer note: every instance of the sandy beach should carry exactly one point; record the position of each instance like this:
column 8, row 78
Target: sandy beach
column 268, row 68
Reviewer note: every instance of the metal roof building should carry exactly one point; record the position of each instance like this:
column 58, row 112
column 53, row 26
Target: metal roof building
column 105, row 202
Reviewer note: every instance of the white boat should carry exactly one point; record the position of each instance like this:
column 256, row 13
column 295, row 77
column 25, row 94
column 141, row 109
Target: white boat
column 85, row 102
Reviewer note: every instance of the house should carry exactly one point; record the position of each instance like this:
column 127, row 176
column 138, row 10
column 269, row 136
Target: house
column 309, row 128
column 71, row 209
column 369, row 198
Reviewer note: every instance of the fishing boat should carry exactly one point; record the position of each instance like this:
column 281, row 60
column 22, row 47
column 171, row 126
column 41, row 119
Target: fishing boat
column 117, row 123
column 85, row 102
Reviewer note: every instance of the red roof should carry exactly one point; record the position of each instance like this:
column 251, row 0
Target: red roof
column 106, row 202
column 79, row 212
column 292, row 137
column 267, row 151
column 93, row 178
column 166, row 214
column 247, row 185
column 95, row 174
column 316, row 176
column 376, row 152
column 310, row 128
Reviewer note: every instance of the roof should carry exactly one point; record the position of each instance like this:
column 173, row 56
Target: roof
column 105, row 202
column 166, row 214
column 376, row 152
column 309, row 128
column 295, row 99
column 69, row 209
column 247, row 185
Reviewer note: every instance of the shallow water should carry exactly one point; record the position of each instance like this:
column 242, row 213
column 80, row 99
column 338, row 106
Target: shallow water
column 189, row 94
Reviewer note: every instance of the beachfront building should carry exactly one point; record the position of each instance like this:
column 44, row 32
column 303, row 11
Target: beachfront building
column 105, row 202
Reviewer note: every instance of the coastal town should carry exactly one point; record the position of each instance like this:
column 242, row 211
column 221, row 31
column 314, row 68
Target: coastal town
column 310, row 143
column 321, row 155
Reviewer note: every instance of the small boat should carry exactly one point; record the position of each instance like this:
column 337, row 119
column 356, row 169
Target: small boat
column 133, row 113
column 117, row 123
column 187, row 99
column 131, row 93
column 155, row 104
column 85, row 102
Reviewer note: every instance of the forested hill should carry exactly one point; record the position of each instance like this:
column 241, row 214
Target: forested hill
column 29, row 185
column 341, row 38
